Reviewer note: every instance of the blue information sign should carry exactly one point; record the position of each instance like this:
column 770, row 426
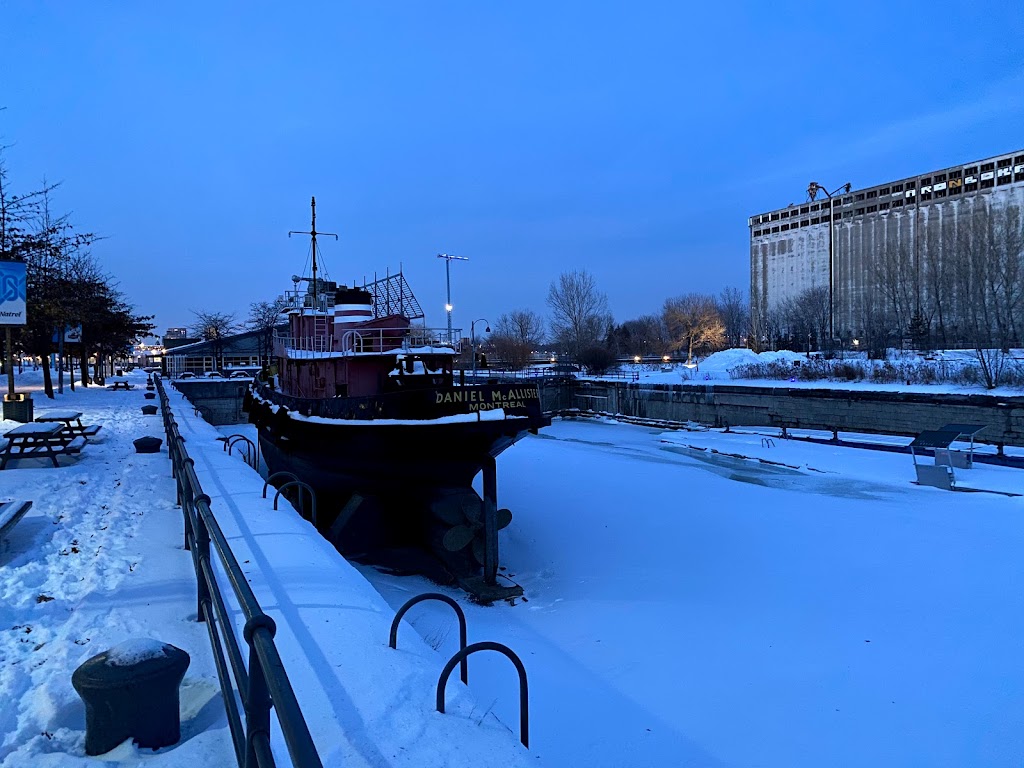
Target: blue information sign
column 12, row 293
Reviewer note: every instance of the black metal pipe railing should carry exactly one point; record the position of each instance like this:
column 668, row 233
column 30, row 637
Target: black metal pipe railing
column 262, row 684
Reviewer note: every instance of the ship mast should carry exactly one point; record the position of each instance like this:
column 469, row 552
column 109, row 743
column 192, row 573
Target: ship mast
column 313, row 233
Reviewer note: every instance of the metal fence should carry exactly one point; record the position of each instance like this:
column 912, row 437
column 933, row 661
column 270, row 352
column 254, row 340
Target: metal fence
column 263, row 684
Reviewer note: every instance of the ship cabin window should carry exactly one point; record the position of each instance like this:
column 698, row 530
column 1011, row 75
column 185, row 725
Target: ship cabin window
column 341, row 390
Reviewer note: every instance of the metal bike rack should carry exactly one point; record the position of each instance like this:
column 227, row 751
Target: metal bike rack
column 276, row 475
column 300, row 485
column 487, row 645
column 393, row 641
column 252, row 452
column 767, row 442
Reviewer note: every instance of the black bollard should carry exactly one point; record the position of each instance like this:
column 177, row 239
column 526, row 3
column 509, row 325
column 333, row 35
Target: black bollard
column 147, row 444
column 131, row 691
column 149, row 410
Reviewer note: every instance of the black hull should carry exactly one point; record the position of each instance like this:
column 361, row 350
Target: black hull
column 373, row 459
column 389, row 490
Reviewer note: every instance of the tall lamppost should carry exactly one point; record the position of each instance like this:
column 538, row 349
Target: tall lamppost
column 812, row 190
column 472, row 339
column 448, row 258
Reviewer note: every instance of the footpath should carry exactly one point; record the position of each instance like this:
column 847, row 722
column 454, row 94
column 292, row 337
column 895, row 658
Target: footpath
column 99, row 559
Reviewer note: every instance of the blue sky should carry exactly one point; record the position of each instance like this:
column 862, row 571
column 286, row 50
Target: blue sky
column 629, row 139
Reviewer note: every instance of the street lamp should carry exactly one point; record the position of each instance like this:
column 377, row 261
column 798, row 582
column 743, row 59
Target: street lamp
column 472, row 339
column 812, row 190
column 448, row 258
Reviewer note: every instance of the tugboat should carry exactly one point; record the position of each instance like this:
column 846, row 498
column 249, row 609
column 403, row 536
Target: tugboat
column 365, row 408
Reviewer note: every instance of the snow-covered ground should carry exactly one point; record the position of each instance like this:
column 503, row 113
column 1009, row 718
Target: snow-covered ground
column 720, row 368
column 683, row 606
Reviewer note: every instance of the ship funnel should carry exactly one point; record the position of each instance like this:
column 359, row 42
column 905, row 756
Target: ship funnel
column 351, row 306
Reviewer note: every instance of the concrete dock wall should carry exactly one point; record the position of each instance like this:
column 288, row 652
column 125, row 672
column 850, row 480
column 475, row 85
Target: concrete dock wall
column 886, row 413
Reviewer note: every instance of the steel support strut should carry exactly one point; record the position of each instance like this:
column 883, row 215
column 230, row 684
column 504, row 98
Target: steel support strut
column 490, row 502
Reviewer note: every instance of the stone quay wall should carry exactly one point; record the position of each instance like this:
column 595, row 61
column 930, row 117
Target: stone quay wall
column 720, row 405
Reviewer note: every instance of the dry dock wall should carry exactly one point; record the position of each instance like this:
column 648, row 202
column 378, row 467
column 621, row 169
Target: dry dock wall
column 887, row 413
column 219, row 401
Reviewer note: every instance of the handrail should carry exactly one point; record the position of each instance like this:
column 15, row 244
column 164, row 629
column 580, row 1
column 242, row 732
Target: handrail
column 524, row 695
column 270, row 479
column 393, row 639
column 262, row 684
column 301, row 485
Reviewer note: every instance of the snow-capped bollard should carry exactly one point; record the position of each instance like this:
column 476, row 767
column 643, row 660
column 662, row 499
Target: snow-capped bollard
column 149, row 410
column 147, row 444
column 150, row 395
column 131, row 691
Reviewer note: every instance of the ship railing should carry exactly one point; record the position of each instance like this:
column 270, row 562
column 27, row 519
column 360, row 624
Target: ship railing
column 368, row 341
column 376, row 340
column 262, row 686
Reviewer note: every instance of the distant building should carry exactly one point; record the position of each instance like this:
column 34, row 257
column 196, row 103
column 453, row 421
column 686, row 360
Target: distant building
column 912, row 252
column 177, row 337
column 176, row 333
column 241, row 351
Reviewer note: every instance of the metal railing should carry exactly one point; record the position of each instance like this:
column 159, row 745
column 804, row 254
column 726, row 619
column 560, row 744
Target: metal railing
column 262, row 684
column 365, row 341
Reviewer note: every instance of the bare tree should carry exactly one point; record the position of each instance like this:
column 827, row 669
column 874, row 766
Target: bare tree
column 734, row 309
column 805, row 317
column 516, row 335
column 264, row 317
column 693, row 323
column 579, row 312
column 643, row 336
column 214, row 327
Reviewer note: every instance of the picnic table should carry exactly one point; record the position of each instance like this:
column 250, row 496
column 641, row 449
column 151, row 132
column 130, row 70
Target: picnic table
column 72, row 421
column 35, row 440
column 122, row 384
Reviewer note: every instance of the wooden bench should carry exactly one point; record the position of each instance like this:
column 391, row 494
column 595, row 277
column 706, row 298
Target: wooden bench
column 121, row 385
column 10, row 513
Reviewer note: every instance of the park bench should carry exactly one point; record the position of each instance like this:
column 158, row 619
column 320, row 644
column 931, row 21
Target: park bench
column 10, row 513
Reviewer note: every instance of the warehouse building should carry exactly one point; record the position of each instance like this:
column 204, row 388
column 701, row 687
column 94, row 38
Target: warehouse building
column 903, row 253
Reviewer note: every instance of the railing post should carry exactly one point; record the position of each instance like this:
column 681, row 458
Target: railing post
column 257, row 697
column 202, row 536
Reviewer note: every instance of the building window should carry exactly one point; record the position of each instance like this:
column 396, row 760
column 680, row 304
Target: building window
column 972, row 171
column 988, row 183
column 897, row 203
column 859, row 196
column 954, row 174
column 911, row 184
column 940, row 193
column 988, row 167
column 971, row 187
column 1005, row 162
column 804, row 223
column 815, row 221
column 940, row 177
column 858, row 211
column 872, row 193
column 775, row 229
column 926, row 180
column 847, row 200
column 883, row 206
column 884, row 191
column 897, row 187
column 926, row 195
column 785, row 227
column 805, row 209
column 872, row 208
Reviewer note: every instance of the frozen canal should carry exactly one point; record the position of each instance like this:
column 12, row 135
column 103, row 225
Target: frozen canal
column 689, row 608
